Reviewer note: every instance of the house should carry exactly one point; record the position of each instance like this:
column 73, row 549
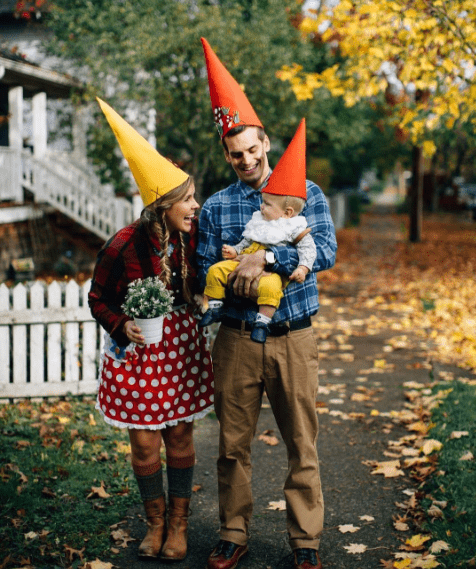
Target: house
column 53, row 208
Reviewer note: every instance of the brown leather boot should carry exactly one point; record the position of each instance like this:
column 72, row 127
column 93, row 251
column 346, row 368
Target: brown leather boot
column 155, row 513
column 175, row 546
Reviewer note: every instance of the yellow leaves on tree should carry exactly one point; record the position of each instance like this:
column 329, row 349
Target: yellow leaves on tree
column 420, row 53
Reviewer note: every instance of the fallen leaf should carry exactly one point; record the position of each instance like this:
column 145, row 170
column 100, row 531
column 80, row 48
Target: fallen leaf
column 435, row 512
column 21, row 445
column 268, row 438
column 439, row 546
column 98, row 492
column 390, row 469
column 418, row 426
column 47, row 493
column 98, row 564
column 123, row 447
column 430, row 446
column 366, row 518
column 121, row 537
column 359, row 397
column 401, row 526
column 458, row 434
column 196, row 487
column 403, row 563
column 280, row 505
column 467, row 456
column 356, row 548
column 71, row 553
column 349, row 528
column 416, row 542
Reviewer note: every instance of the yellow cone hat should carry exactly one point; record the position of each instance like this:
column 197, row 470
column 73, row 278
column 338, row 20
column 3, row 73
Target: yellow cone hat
column 154, row 174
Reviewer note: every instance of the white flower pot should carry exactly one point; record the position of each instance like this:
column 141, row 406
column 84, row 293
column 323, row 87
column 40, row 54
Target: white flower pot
column 152, row 328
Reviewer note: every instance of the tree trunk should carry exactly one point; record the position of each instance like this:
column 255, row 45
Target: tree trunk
column 416, row 195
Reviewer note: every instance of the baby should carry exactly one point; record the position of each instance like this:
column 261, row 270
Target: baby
column 277, row 223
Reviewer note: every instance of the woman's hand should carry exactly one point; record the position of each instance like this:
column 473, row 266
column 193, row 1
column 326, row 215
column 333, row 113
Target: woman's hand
column 133, row 332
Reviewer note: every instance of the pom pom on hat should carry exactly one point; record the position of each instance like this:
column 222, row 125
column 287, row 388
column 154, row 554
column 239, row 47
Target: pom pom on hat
column 289, row 176
column 154, row 174
column 229, row 103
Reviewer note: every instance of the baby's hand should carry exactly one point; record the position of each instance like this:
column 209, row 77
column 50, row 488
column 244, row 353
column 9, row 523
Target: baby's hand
column 228, row 252
column 299, row 274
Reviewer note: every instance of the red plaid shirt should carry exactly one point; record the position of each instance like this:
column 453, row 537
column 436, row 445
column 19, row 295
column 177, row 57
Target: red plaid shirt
column 129, row 255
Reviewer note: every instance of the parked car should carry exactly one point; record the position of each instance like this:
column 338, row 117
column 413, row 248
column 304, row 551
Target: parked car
column 467, row 197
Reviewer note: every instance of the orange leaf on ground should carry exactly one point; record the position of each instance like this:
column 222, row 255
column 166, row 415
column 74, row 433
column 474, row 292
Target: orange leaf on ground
column 98, row 492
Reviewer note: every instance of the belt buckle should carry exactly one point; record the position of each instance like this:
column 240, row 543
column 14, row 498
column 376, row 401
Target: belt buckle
column 280, row 329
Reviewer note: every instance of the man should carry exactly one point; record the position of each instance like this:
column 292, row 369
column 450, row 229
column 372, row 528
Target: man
column 286, row 366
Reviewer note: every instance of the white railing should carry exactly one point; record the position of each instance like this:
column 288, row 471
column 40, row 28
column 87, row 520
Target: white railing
column 57, row 180
column 75, row 193
column 50, row 343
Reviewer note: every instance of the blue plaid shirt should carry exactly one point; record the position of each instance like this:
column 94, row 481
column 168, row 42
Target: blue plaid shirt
column 222, row 221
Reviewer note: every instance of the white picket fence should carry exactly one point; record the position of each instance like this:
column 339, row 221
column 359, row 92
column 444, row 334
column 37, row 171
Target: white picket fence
column 50, row 344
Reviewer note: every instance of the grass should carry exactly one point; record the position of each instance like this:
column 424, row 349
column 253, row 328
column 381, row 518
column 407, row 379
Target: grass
column 53, row 456
column 455, row 479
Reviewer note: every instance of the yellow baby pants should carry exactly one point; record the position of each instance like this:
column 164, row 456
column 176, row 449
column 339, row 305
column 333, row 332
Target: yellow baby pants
column 270, row 288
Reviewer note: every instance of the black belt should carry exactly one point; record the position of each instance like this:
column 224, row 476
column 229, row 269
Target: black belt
column 279, row 329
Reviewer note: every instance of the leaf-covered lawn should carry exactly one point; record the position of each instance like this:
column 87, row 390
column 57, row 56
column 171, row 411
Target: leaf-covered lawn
column 64, row 481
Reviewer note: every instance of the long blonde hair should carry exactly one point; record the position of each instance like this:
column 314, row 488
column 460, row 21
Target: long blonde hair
column 154, row 219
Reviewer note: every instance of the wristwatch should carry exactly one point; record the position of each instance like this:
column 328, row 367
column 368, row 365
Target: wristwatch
column 270, row 260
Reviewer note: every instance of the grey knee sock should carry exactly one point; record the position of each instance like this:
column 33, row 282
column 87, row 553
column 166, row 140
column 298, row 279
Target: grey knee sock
column 151, row 486
column 180, row 481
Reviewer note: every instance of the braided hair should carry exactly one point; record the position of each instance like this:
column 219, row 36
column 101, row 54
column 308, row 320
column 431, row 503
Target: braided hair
column 154, row 219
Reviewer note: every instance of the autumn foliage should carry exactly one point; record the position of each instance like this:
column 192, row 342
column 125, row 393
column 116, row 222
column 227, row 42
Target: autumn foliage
column 419, row 53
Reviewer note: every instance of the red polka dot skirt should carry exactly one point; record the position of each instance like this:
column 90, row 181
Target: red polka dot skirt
column 157, row 385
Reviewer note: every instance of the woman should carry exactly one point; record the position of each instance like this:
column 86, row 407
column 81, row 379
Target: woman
column 155, row 390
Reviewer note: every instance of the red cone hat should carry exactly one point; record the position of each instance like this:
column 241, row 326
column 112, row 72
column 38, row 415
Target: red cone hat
column 289, row 176
column 229, row 103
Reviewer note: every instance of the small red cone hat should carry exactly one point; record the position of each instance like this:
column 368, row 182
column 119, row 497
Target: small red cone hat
column 229, row 103
column 289, row 176
column 154, row 174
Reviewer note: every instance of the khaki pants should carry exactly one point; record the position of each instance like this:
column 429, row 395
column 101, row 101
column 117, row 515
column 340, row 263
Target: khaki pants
column 287, row 368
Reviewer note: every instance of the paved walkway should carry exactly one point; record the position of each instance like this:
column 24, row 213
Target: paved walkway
column 350, row 339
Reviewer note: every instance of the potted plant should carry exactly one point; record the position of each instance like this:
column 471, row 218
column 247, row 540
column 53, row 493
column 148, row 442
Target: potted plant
column 147, row 301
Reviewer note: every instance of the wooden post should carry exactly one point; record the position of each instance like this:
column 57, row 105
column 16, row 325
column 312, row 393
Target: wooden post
column 416, row 195
column 40, row 128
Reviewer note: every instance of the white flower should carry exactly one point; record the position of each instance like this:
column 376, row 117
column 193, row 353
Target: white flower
column 147, row 298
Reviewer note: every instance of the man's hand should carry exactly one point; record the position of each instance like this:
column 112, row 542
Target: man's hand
column 133, row 332
column 299, row 274
column 228, row 252
column 248, row 271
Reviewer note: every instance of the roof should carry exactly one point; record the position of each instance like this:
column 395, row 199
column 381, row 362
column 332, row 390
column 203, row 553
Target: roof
column 16, row 71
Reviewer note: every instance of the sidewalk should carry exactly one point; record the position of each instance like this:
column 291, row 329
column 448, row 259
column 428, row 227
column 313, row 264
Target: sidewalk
column 352, row 384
